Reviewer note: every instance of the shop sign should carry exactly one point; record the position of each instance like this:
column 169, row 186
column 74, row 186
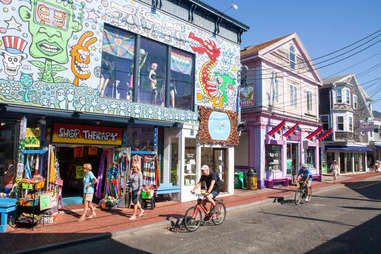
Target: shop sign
column 83, row 134
column 366, row 126
column 79, row 173
column 217, row 127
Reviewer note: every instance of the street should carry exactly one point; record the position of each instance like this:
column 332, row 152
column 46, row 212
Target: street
column 343, row 219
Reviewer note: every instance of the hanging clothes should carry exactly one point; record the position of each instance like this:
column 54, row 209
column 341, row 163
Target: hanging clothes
column 157, row 173
column 149, row 170
column 105, row 163
column 52, row 173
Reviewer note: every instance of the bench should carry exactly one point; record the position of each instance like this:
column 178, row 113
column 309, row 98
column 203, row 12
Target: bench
column 270, row 183
column 7, row 205
column 167, row 188
column 316, row 177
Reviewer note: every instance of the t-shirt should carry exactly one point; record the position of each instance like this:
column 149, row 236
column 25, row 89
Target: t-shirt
column 305, row 174
column 208, row 180
column 88, row 179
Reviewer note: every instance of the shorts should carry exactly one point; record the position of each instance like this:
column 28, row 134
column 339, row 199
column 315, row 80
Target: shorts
column 88, row 197
column 309, row 183
column 215, row 193
column 135, row 198
column 334, row 172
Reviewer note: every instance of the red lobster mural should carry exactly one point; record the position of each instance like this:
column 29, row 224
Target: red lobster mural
column 209, row 47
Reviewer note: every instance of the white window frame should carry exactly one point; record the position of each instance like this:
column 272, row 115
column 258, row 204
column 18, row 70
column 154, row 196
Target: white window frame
column 339, row 91
column 292, row 53
column 350, row 123
column 309, row 101
column 274, row 88
column 293, row 96
column 355, row 101
column 348, row 96
column 337, row 123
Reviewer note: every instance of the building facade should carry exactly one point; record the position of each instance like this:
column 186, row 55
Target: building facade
column 346, row 108
column 279, row 103
column 90, row 77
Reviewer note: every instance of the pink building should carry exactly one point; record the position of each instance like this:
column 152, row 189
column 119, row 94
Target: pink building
column 281, row 90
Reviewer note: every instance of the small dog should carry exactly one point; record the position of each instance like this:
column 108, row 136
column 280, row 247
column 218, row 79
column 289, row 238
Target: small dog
column 279, row 200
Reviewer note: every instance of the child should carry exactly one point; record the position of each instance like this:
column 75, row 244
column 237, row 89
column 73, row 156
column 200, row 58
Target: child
column 89, row 181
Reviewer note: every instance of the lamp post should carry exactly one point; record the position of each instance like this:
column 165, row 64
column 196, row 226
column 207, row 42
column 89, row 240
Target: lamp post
column 233, row 6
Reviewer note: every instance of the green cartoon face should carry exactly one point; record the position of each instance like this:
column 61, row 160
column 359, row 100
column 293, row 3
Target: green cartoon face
column 51, row 25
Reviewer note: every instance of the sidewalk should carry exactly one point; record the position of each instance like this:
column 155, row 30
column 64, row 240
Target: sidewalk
column 67, row 228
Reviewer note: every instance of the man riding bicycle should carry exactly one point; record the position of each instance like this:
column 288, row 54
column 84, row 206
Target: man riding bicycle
column 306, row 176
column 212, row 183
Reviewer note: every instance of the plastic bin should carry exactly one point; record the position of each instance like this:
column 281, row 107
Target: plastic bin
column 239, row 180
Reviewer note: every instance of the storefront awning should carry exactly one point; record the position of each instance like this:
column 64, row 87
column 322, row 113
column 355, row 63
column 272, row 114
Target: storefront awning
column 349, row 148
column 378, row 146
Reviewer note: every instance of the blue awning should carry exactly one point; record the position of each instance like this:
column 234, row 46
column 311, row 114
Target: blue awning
column 378, row 146
column 349, row 148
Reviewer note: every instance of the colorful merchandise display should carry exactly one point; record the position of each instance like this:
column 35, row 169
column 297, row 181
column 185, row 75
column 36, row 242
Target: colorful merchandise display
column 112, row 187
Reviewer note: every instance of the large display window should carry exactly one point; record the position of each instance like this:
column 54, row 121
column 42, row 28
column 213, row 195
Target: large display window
column 153, row 75
column 181, row 82
column 273, row 157
column 7, row 154
column 117, row 64
column 310, row 157
column 190, row 162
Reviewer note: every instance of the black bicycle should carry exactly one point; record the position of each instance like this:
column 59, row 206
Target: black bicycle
column 198, row 214
column 301, row 193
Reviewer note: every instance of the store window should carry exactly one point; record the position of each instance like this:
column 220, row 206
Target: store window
column 117, row 64
column 7, row 154
column 190, row 162
column 181, row 88
column 292, row 57
column 153, row 74
column 310, row 157
column 348, row 162
column 340, row 123
column 273, row 157
column 141, row 137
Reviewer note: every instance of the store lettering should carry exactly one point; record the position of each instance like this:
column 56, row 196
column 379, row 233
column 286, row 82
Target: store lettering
column 87, row 134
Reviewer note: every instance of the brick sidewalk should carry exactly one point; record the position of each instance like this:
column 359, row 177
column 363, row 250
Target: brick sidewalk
column 67, row 228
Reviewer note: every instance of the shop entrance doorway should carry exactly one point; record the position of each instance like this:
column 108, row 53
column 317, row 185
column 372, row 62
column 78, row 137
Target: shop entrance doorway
column 292, row 158
column 216, row 159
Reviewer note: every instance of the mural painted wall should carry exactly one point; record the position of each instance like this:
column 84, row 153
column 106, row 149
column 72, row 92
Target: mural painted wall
column 51, row 54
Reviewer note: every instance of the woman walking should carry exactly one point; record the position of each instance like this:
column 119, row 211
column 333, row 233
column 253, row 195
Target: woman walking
column 334, row 168
column 136, row 181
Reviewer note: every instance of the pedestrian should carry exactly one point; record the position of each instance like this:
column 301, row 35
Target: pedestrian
column 334, row 168
column 136, row 183
column 89, row 180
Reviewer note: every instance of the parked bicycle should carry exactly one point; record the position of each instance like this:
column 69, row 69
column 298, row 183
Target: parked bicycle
column 198, row 214
column 301, row 193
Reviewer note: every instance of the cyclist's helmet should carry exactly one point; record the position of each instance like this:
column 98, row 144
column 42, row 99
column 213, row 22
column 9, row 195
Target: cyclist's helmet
column 304, row 166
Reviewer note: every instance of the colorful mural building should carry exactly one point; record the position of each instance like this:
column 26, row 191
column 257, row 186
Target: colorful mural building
column 279, row 103
column 110, row 82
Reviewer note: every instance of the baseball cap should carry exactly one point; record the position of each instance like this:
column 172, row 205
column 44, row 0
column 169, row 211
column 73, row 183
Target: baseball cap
column 204, row 167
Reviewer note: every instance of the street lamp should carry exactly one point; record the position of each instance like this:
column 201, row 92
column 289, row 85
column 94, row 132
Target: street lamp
column 233, row 6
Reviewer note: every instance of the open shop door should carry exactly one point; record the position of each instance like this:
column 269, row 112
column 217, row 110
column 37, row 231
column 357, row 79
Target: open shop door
column 121, row 159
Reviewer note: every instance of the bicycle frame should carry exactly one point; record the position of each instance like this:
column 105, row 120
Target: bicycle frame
column 201, row 202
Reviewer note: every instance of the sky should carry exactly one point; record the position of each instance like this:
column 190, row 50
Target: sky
column 323, row 27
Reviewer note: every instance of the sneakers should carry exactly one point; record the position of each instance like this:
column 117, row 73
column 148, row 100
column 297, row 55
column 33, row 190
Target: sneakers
column 92, row 216
column 141, row 213
column 132, row 218
column 308, row 198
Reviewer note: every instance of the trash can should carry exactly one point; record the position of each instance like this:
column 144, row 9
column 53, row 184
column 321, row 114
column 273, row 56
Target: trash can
column 251, row 180
column 239, row 180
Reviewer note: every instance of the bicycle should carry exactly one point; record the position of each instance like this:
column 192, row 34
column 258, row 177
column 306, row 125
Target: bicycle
column 301, row 193
column 197, row 214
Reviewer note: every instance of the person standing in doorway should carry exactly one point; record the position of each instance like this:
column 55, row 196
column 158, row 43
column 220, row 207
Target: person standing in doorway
column 136, row 183
column 89, row 180
column 334, row 168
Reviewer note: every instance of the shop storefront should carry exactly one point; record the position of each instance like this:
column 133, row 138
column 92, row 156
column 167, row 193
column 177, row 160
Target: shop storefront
column 129, row 75
column 351, row 159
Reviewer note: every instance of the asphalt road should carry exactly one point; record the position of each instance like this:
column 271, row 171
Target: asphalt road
column 345, row 219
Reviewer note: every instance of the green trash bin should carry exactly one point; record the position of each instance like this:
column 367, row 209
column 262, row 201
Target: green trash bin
column 239, row 180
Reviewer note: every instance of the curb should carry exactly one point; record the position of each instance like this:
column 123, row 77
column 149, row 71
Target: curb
column 154, row 225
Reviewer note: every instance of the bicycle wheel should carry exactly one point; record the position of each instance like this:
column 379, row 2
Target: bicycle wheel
column 192, row 219
column 298, row 197
column 219, row 214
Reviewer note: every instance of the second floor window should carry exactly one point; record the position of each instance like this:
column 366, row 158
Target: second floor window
column 354, row 101
column 348, row 98
column 309, row 101
column 339, row 95
column 324, row 120
column 292, row 57
column 350, row 123
column 293, row 96
column 274, row 89
column 340, row 123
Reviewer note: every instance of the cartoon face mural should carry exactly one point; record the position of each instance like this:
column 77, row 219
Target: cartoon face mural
column 51, row 24
column 80, row 57
column 13, row 55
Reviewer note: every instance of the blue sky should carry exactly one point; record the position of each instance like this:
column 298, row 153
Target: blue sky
column 323, row 26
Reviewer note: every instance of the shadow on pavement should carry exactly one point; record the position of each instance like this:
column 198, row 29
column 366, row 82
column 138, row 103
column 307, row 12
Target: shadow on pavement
column 362, row 208
column 24, row 243
column 364, row 238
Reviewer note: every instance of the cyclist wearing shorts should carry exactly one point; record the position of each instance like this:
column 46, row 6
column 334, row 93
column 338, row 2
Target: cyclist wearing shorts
column 306, row 176
column 212, row 183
